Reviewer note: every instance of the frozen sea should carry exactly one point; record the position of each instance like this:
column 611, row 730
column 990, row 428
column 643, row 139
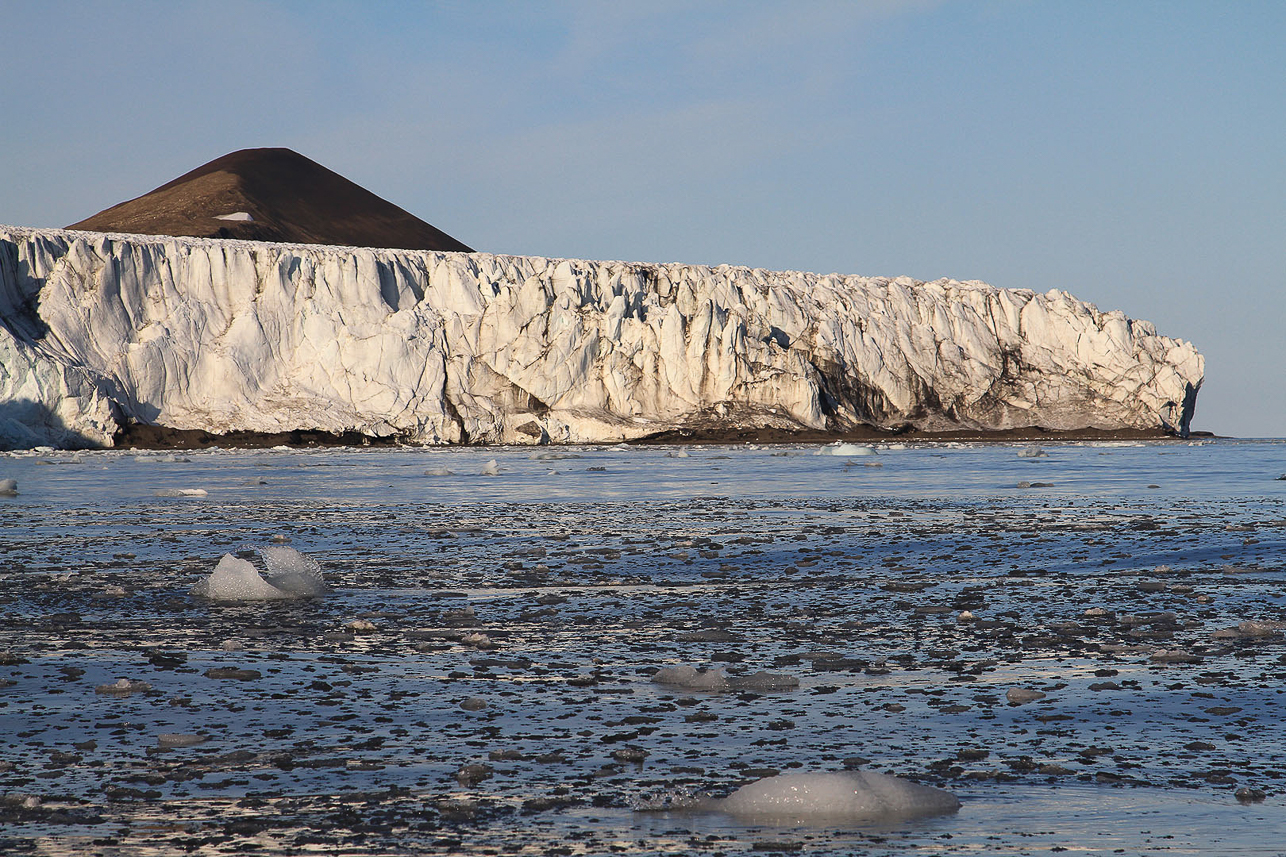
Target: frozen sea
column 478, row 679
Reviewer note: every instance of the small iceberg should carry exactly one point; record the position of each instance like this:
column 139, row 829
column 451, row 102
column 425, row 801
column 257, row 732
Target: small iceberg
column 289, row 575
column 847, row 796
column 8, row 487
column 236, row 217
column 845, row 449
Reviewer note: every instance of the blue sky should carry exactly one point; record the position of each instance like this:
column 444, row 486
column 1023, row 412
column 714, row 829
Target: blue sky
column 1130, row 153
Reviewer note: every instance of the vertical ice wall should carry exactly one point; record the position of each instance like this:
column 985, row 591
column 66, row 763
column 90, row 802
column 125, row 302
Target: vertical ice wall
column 453, row 347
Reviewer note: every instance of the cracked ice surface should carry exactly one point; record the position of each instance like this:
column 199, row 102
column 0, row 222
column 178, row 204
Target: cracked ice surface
column 451, row 347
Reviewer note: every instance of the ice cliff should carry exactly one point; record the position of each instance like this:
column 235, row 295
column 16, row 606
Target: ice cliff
column 96, row 329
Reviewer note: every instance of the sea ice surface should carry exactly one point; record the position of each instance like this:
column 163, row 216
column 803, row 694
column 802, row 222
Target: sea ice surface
column 848, row 795
column 289, row 574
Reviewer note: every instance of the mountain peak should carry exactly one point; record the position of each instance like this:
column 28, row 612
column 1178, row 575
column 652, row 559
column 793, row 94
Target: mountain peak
column 271, row 194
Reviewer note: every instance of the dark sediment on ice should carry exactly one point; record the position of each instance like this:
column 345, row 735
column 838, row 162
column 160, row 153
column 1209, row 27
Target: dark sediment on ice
column 867, row 433
column 139, row 436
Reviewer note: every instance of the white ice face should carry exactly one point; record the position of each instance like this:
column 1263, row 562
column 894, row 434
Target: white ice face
column 449, row 347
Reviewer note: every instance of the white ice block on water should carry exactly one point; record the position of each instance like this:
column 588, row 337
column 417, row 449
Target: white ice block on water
column 847, row 795
column 289, row 575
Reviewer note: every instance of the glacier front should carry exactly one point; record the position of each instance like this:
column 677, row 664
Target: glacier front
column 99, row 330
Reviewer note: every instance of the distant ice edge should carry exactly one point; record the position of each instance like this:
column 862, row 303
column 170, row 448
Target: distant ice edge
column 430, row 347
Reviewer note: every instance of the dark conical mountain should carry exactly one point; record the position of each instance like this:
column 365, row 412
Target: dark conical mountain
column 286, row 196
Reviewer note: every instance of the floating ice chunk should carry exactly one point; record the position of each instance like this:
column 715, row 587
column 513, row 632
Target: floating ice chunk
column 845, row 449
column 8, row 487
column 1255, row 629
column 123, row 687
column 1032, row 452
column 438, row 471
column 293, row 573
column 849, row 795
column 478, row 640
column 182, row 492
column 236, row 579
column 290, row 574
column 491, row 468
column 174, row 740
column 692, row 678
column 237, row 216
column 1174, row 656
column 1022, row 695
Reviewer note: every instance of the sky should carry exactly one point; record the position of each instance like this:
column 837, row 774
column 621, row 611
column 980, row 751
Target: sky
column 1133, row 154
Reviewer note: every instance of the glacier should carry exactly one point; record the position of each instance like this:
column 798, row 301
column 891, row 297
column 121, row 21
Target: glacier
column 98, row 330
